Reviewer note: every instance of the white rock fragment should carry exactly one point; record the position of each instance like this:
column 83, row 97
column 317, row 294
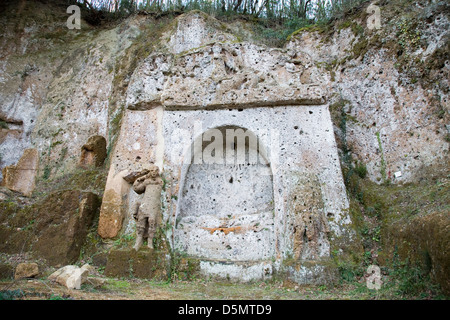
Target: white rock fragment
column 71, row 276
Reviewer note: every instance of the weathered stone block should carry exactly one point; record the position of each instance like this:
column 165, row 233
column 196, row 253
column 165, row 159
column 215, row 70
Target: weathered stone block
column 62, row 225
column 16, row 227
column 112, row 209
column 187, row 268
column 311, row 272
column 220, row 211
column 96, row 282
column 26, row 270
column 21, row 177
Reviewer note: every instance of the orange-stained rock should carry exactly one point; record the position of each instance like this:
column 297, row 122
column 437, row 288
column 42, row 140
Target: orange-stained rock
column 21, row 177
column 93, row 153
column 112, row 211
column 26, row 270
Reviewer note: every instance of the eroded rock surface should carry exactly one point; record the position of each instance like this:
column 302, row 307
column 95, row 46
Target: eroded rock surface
column 62, row 226
column 21, row 177
column 328, row 97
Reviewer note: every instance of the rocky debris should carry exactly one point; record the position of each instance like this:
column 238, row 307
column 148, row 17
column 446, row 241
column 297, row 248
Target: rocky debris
column 26, row 270
column 111, row 212
column 71, row 276
column 21, row 177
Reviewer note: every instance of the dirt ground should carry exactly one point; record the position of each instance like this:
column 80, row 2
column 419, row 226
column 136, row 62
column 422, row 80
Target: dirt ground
column 136, row 289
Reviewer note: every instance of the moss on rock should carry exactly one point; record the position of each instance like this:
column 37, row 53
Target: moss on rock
column 144, row 264
column 61, row 228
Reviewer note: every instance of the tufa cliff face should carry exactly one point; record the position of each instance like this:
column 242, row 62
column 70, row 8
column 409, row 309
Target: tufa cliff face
column 341, row 96
column 390, row 102
column 60, row 86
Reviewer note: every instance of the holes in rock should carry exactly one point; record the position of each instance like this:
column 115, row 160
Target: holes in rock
column 228, row 193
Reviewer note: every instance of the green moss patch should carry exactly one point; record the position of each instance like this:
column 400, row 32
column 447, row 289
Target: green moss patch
column 403, row 228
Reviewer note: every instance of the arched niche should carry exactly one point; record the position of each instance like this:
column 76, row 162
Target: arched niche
column 226, row 201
